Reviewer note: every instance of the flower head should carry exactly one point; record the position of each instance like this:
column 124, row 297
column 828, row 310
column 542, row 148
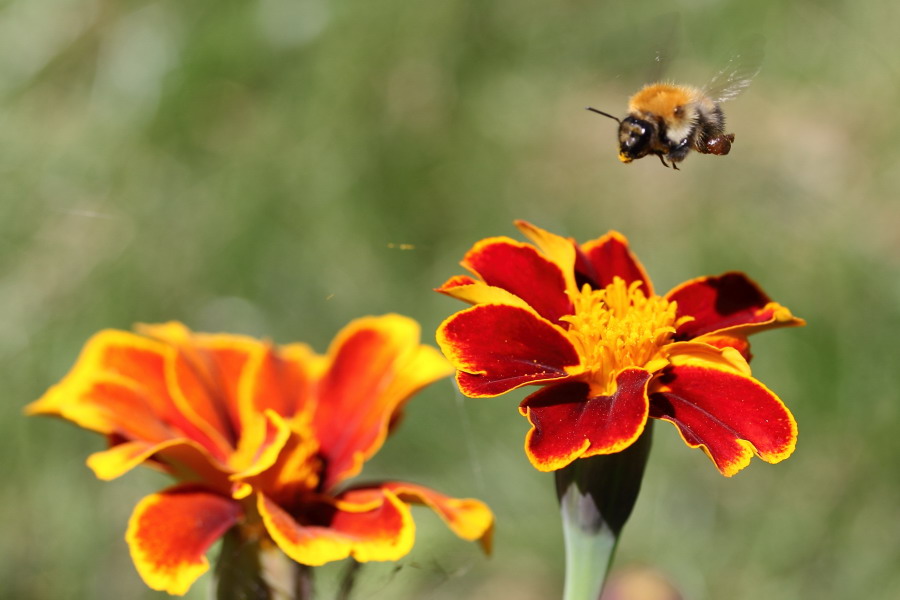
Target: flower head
column 259, row 436
column 583, row 322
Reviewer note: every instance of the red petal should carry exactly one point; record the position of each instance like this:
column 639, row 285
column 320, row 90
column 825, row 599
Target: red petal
column 521, row 270
column 470, row 519
column 725, row 302
column 568, row 424
column 609, row 257
column 729, row 415
column 498, row 348
column 170, row 532
column 367, row 524
column 376, row 364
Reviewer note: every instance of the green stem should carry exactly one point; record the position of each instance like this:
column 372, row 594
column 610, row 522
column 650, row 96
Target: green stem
column 253, row 569
column 348, row 580
column 588, row 553
column 596, row 497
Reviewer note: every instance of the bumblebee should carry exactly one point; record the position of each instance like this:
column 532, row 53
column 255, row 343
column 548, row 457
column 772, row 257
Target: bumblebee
column 670, row 120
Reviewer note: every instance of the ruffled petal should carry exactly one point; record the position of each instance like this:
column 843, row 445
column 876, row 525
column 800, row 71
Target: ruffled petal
column 117, row 386
column 739, row 343
column 608, row 257
column 375, row 365
column 468, row 290
column 204, row 372
column 724, row 411
column 170, row 532
column 498, row 348
column 121, row 458
column 383, row 533
column 567, row 423
column 288, row 464
column 107, row 403
column 723, row 356
column 278, row 381
column 522, row 271
column 558, row 249
column 468, row 518
column 182, row 458
column 365, row 524
column 729, row 304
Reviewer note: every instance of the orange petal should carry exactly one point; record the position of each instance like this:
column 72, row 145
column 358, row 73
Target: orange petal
column 170, row 532
column 279, row 379
column 121, row 458
column 288, row 464
column 117, row 380
column 366, row 525
column 107, row 403
column 468, row 518
column 182, row 458
column 276, row 382
column 204, row 373
column 722, row 356
column 119, row 387
column 376, row 364
column 478, row 292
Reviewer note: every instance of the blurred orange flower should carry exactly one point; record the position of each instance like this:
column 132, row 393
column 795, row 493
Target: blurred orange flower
column 258, row 436
column 583, row 322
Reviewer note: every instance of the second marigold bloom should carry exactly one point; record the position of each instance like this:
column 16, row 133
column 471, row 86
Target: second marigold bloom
column 583, row 322
column 259, row 437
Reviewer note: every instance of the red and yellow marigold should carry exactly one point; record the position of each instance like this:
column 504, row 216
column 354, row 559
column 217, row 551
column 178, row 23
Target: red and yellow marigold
column 583, row 322
column 258, row 436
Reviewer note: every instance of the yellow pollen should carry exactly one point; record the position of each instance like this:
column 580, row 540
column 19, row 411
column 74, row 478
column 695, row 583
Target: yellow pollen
column 619, row 327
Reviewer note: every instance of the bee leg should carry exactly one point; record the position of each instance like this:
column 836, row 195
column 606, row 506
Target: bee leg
column 678, row 152
column 663, row 161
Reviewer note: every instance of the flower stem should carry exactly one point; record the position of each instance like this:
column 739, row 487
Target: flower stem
column 348, row 580
column 596, row 497
column 254, row 569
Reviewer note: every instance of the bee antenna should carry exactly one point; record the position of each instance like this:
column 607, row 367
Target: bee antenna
column 600, row 112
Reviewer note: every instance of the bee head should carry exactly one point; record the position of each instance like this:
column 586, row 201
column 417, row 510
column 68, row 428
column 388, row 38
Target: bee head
column 634, row 138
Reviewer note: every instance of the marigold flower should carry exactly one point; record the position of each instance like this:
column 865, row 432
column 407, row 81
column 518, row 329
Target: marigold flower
column 583, row 322
column 259, row 436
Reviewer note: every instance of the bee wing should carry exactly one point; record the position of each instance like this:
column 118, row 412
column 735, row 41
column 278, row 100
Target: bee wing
column 666, row 35
column 731, row 81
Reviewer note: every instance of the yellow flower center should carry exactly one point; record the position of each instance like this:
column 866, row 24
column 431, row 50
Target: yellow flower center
column 619, row 327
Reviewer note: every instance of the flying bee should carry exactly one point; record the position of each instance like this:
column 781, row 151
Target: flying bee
column 670, row 120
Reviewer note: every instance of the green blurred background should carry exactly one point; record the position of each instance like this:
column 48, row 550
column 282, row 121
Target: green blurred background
column 255, row 166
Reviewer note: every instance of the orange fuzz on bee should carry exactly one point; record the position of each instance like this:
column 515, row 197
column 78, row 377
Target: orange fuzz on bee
column 670, row 120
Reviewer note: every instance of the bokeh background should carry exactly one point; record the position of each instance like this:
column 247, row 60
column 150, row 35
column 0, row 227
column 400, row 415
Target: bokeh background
column 279, row 167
